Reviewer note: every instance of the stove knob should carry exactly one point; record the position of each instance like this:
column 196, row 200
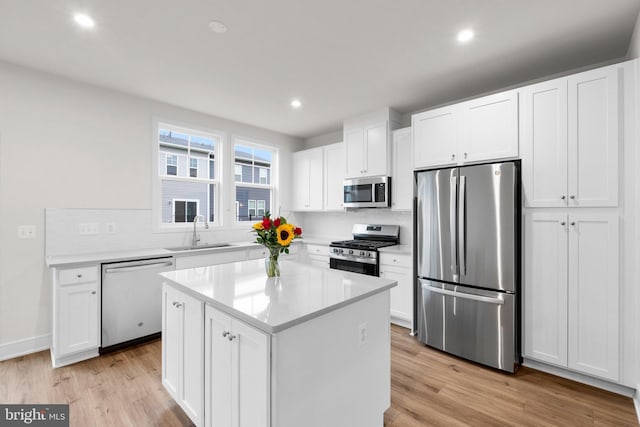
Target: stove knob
column 363, row 253
column 341, row 250
column 350, row 252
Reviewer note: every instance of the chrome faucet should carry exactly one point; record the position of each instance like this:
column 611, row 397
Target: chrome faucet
column 196, row 238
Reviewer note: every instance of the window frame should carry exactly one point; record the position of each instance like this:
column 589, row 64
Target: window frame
column 274, row 167
column 220, row 142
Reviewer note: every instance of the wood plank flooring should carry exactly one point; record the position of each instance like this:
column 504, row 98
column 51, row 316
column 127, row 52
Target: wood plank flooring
column 428, row 388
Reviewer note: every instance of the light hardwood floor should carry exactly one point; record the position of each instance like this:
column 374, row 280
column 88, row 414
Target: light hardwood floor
column 428, row 388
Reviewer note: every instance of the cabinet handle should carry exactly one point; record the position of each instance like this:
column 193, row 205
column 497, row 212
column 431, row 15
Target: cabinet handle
column 231, row 337
column 225, row 333
column 93, row 292
column 573, row 223
column 563, row 197
column 79, row 276
column 465, row 155
column 177, row 304
column 453, row 157
column 562, row 223
column 573, row 197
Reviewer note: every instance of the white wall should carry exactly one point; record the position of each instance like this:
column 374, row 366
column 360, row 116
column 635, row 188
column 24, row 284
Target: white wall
column 67, row 144
column 634, row 45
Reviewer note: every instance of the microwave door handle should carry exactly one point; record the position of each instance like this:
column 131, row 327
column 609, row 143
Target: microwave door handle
column 453, row 197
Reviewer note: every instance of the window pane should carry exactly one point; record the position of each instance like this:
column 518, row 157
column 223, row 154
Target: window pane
column 212, row 165
column 182, row 200
column 173, row 138
column 262, row 156
column 244, row 194
column 237, row 172
column 203, row 143
column 243, row 152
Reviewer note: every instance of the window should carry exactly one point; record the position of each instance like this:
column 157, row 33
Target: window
column 172, row 165
column 188, row 174
column 253, row 168
column 185, row 210
column 193, row 167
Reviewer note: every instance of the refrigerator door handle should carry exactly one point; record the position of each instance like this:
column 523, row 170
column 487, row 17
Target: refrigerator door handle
column 463, row 295
column 462, row 231
column 453, row 197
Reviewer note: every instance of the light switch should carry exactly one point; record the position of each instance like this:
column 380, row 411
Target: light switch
column 111, row 227
column 26, row 231
column 88, row 228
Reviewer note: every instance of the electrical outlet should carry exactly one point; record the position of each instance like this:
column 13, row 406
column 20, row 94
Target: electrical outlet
column 362, row 333
column 26, row 231
column 88, row 228
column 111, row 227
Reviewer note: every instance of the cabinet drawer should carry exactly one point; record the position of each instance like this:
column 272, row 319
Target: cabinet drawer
column 318, row 250
column 395, row 260
column 256, row 253
column 73, row 276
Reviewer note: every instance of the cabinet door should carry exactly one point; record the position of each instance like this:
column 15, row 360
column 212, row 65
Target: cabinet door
column 218, row 397
column 544, row 144
column 315, row 179
column 334, row 174
column 376, row 150
column 172, row 326
column 250, row 370
column 401, row 174
column 354, row 140
column 182, row 350
column 593, row 138
column 593, row 295
column 78, row 317
column 300, row 180
column 490, row 127
column 435, row 137
column 398, row 268
column 545, row 288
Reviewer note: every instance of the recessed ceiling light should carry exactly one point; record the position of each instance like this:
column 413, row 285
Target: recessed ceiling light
column 217, row 27
column 465, row 36
column 84, row 21
column 296, row 103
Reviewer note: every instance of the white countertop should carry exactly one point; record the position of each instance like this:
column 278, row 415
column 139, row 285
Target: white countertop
column 302, row 292
column 397, row 249
column 123, row 255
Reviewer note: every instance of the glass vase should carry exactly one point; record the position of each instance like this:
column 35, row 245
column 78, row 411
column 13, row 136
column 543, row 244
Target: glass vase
column 271, row 263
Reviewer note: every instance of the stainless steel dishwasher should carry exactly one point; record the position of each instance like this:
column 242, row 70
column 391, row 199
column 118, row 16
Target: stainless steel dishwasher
column 132, row 301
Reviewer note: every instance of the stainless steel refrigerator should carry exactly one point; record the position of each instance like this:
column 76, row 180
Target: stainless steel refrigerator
column 468, row 262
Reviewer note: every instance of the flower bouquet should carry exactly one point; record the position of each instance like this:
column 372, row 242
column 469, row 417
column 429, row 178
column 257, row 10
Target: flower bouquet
column 276, row 235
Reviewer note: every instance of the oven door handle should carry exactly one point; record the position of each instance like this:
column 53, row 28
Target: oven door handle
column 354, row 259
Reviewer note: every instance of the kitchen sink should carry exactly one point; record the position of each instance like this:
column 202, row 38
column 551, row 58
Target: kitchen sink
column 193, row 248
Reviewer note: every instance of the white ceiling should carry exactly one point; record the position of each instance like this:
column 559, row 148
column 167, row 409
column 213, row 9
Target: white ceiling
column 340, row 57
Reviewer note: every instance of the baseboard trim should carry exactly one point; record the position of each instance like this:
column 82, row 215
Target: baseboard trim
column 581, row 378
column 24, row 346
column 636, row 402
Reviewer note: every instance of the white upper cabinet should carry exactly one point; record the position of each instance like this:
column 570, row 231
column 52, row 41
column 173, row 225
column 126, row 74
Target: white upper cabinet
column 435, row 137
column 593, row 138
column 544, row 143
column 307, row 180
column 401, row 173
column 570, row 130
column 479, row 130
column 490, row 127
column 334, row 174
column 367, row 143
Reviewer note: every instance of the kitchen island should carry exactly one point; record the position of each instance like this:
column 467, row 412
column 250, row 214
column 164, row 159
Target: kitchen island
column 310, row 348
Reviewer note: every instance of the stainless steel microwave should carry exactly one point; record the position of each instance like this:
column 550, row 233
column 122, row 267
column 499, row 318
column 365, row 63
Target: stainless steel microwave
column 370, row 192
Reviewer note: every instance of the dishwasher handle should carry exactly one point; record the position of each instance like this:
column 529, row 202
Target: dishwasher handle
column 136, row 267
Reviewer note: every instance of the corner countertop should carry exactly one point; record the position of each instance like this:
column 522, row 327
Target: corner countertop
column 302, row 292
column 397, row 249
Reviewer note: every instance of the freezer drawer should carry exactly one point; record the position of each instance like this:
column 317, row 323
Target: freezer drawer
column 471, row 323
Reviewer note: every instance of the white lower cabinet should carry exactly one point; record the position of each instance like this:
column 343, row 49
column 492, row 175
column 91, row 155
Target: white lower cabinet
column 318, row 255
column 76, row 314
column 398, row 267
column 571, row 292
column 182, row 351
column 237, row 372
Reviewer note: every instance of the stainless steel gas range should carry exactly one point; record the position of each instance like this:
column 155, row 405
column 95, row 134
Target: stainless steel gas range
column 360, row 255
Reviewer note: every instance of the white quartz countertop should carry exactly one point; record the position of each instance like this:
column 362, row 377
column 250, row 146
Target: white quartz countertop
column 302, row 292
column 397, row 249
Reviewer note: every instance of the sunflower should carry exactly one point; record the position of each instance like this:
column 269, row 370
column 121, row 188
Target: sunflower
column 285, row 234
column 258, row 226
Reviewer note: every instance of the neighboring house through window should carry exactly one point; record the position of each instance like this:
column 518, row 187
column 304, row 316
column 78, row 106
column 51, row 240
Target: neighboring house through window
column 253, row 171
column 186, row 189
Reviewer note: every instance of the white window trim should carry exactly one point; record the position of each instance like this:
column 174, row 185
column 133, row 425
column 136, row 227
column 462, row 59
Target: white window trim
column 275, row 164
column 173, row 209
column 156, row 188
